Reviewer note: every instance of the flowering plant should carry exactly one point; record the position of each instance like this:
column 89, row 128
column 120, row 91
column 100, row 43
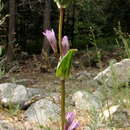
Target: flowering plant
column 64, row 64
column 50, row 35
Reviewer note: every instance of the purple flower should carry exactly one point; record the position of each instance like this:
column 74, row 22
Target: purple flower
column 50, row 35
column 70, row 117
column 65, row 45
column 74, row 125
column 71, row 124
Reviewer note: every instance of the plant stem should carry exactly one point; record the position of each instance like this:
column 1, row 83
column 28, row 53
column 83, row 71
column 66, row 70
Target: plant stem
column 62, row 104
column 61, row 19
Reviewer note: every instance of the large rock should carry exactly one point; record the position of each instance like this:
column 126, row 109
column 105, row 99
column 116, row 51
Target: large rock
column 42, row 112
column 86, row 101
column 14, row 94
column 5, row 125
column 117, row 74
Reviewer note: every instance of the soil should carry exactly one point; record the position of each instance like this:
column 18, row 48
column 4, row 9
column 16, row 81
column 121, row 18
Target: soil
column 35, row 74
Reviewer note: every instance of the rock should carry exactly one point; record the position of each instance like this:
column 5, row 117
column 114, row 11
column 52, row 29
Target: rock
column 114, row 117
column 14, row 94
column 23, row 81
column 92, row 84
column 117, row 74
column 55, row 97
column 34, row 92
column 107, row 119
column 83, row 75
column 42, row 112
column 86, row 101
column 108, row 113
column 5, row 125
column 102, row 93
column 121, row 119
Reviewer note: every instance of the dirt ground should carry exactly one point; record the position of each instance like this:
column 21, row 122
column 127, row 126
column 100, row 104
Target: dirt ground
column 35, row 74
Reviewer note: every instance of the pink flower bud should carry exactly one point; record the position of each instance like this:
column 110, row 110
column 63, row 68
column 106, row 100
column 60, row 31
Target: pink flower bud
column 65, row 45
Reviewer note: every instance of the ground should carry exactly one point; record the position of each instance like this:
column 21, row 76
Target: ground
column 35, row 74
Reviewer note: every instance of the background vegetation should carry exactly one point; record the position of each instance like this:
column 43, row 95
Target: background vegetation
column 86, row 22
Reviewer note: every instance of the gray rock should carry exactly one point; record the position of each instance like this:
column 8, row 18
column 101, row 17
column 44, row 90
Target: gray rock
column 42, row 112
column 92, row 84
column 5, row 125
column 84, row 75
column 121, row 119
column 14, row 94
column 117, row 74
column 102, row 93
column 86, row 101
column 34, row 91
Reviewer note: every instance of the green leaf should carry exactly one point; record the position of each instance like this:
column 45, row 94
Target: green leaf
column 64, row 65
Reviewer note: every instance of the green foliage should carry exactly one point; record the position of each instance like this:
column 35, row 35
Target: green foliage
column 101, row 15
column 123, row 40
column 1, row 5
column 2, row 20
column 33, row 47
column 107, row 43
column 13, row 109
column 1, row 50
column 2, row 72
column 88, row 15
column 63, row 68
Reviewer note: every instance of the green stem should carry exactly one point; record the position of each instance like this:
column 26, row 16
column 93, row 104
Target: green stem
column 61, row 19
column 63, row 103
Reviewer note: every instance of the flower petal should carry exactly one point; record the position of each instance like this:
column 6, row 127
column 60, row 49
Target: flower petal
column 70, row 117
column 74, row 125
column 65, row 45
column 50, row 35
